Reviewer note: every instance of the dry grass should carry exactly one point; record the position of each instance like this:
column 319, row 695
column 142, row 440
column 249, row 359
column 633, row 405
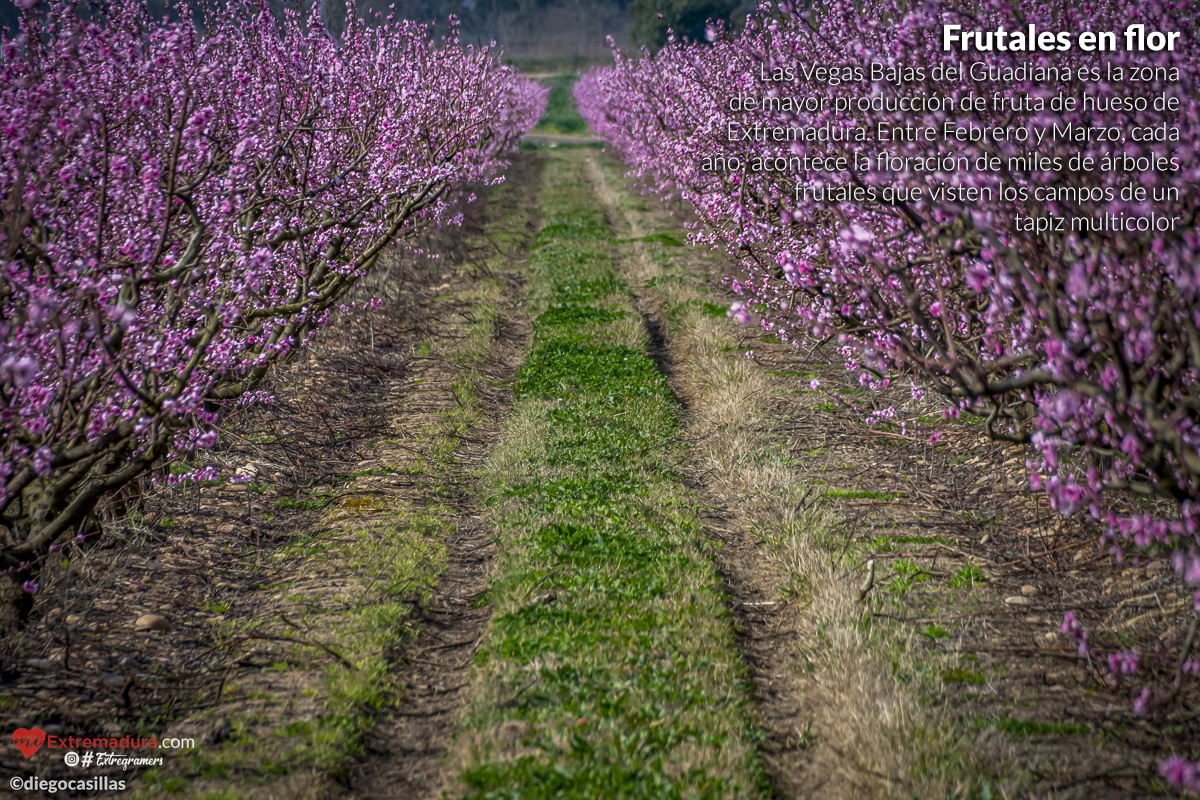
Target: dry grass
column 522, row 445
column 866, row 725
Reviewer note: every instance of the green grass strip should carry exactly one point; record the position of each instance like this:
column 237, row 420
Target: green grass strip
column 561, row 117
column 610, row 669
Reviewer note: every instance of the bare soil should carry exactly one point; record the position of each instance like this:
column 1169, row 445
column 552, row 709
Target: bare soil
column 403, row 752
column 967, row 503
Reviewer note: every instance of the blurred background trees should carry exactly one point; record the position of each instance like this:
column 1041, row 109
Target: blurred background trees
column 650, row 20
column 557, row 30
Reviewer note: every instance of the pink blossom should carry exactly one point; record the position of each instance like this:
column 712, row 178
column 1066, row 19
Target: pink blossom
column 139, row 305
column 1141, row 704
column 1123, row 663
column 1180, row 773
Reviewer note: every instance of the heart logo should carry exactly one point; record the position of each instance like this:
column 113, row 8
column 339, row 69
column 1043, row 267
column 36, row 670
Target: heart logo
column 28, row 741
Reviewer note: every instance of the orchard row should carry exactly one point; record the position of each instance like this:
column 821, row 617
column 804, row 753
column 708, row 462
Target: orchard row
column 182, row 204
column 1084, row 344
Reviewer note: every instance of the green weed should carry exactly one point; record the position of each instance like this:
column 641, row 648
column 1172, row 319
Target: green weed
column 1029, row 728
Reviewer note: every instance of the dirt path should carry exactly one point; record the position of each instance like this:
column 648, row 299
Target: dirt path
column 403, row 757
column 609, row 668
column 557, row 140
column 405, row 752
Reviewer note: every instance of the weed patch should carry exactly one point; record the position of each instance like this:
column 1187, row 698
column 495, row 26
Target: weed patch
column 1024, row 728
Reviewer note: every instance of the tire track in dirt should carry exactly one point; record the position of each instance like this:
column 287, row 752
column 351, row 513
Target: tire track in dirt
column 403, row 752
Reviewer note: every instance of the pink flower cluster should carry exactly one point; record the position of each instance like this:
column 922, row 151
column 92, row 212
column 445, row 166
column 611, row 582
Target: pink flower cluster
column 1181, row 773
column 1096, row 332
column 1123, row 664
column 181, row 205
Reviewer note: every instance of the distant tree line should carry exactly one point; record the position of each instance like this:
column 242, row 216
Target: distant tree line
column 557, row 29
column 573, row 28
